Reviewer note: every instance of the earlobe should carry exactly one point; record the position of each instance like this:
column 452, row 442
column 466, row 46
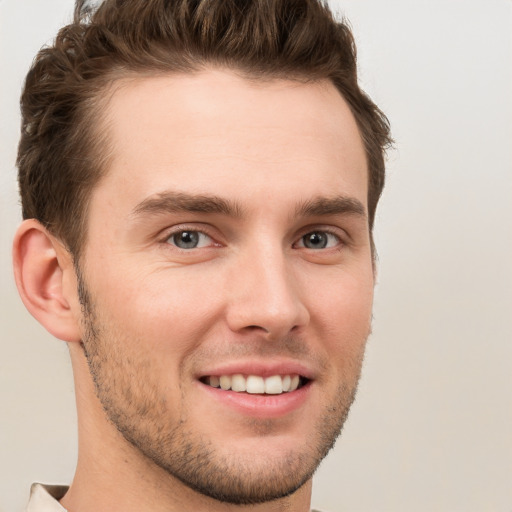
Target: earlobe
column 40, row 265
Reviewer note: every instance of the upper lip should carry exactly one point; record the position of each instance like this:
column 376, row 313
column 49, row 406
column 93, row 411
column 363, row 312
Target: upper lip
column 261, row 368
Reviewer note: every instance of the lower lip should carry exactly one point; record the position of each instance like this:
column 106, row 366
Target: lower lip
column 261, row 406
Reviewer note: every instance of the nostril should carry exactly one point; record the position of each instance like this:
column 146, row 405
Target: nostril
column 274, row 315
column 257, row 328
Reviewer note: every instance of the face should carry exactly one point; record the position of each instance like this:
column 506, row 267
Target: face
column 227, row 278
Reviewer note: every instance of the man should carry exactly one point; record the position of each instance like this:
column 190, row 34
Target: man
column 199, row 182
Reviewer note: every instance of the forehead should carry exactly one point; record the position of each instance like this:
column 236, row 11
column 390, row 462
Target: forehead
column 209, row 131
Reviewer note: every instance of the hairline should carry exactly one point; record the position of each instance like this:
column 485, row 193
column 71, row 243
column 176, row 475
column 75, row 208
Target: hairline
column 95, row 121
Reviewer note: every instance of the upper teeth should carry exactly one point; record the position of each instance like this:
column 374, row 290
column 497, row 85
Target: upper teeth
column 273, row 385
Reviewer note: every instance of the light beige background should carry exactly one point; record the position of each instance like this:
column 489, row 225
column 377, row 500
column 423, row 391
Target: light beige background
column 432, row 426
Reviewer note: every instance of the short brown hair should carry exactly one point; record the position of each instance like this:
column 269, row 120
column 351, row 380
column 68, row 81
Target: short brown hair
column 62, row 155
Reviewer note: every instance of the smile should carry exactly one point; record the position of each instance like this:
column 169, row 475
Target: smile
column 255, row 384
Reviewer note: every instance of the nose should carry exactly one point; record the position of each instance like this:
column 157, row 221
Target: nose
column 265, row 297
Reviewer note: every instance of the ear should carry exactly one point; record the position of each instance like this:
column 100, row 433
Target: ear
column 42, row 268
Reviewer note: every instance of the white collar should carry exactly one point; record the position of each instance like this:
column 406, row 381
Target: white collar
column 45, row 498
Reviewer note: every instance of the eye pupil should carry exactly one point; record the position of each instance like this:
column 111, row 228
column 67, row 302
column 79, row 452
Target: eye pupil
column 315, row 240
column 186, row 239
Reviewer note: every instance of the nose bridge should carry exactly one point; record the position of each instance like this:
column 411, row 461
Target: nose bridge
column 265, row 294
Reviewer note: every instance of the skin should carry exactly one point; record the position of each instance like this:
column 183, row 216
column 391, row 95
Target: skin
column 281, row 160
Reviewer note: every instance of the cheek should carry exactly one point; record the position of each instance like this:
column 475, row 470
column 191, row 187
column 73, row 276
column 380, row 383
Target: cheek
column 343, row 312
column 167, row 310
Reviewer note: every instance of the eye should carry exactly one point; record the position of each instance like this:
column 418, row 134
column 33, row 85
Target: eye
column 189, row 239
column 319, row 240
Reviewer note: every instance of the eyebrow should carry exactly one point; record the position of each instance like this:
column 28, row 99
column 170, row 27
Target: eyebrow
column 339, row 205
column 174, row 202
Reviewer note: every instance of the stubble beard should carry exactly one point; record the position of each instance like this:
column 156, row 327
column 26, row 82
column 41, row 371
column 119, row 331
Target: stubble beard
column 132, row 401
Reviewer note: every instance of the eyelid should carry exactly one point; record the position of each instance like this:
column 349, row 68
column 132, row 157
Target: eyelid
column 207, row 230
column 204, row 229
column 339, row 233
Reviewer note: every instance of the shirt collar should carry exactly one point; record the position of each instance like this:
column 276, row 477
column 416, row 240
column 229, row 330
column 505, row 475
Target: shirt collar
column 45, row 498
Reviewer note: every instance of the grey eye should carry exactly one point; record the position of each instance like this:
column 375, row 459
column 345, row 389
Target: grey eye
column 319, row 240
column 316, row 240
column 189, row 239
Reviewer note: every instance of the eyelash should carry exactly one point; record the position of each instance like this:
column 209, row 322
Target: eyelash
column 323, row 231
column 177, row 230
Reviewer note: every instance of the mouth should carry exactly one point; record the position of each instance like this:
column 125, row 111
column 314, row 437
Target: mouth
column 256, row 384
